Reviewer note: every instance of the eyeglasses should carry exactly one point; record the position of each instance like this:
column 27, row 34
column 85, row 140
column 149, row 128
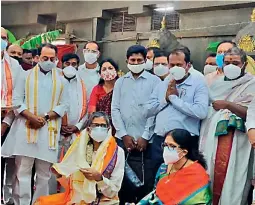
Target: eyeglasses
column 98, row 125
column 90, row 51
column 169, row 146
column 74, row 64
column 52, row 59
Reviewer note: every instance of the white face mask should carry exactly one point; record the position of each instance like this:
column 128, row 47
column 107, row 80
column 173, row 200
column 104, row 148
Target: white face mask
column 89, row 57
column 209, row 69
column 70, row 71
column 161, row 70
column 232, row 71
column 148, row 64
column 177, row 72
column 170, row 156
column 99, row 134
column 136, row 68
column 46, row 65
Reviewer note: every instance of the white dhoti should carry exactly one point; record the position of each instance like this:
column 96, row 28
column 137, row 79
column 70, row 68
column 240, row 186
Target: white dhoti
column 22, row 181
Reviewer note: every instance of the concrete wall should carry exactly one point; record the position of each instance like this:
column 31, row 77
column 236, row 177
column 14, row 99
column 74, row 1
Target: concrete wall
column 89, row 20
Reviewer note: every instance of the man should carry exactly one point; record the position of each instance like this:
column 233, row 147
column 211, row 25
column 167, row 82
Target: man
column 151, row 51
column 35, row 56
column 210, row 64
column 36, row 130
column 223, row 139
column 130, row 93
column 222, row 48
column 10, row 72
column 160, row 65
column 73, row 121
column 89, row 70
column 180, row 101
column 250, row 125
column 15, row 51
column 27, row 60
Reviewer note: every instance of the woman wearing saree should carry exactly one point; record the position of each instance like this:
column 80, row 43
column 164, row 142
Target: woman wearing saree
column 182, row 179
column 101, row 96
column 92, row 170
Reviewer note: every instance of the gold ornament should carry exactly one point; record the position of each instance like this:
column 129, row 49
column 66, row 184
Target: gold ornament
column 253, row 16
column 163, row 23
column 154, row 43
column 247, row 43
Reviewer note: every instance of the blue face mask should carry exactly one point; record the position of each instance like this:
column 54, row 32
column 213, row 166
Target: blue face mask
column 219, row 60
column 3, row 44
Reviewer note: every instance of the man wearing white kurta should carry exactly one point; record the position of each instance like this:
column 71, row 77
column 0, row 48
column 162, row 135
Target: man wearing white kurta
column 89, row 70
column 250, row 125
column 75, row 118
column 10, row 71
column 35, row 131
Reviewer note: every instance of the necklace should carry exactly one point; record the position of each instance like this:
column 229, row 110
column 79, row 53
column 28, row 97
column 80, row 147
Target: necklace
column 176, row 171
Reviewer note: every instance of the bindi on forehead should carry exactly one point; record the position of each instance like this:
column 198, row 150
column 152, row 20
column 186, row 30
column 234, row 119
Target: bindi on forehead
column 232, row 58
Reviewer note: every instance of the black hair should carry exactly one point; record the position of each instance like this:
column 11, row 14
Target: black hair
column 136, row 49
column 69, row 56
column 154, row 49
column 213, row 55
column 184, row 139
column 48, row 45
column 226, row 41
column 161, row 53
column 34, row 52
column 185, row 50
column 98, row 47
column 26, row 51
column 114, row 64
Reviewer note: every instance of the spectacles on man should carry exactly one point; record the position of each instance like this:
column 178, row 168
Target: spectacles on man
column 98, row 125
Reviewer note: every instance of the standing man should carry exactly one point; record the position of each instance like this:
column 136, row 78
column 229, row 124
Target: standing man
column 36, row 130
column 151, row 51
column 27, row 59
column 224, row 141
column 160, row 65
column 250, row 125
column 16, row 52
column 130, row 93
column 210, row 64
column 10, row 72
column 89, row 71
column 222, row 48
column 180, row 101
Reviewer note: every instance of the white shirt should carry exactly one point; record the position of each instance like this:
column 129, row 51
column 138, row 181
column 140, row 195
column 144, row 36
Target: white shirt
column 90, row 77
column 73, row 112
column 16, row 141
column 250, row 121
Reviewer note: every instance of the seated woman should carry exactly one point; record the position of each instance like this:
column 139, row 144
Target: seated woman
column 92, row 170
column 101, row 96
column 182, row 179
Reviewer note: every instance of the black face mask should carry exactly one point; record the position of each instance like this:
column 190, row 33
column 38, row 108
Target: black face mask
column 17, row 58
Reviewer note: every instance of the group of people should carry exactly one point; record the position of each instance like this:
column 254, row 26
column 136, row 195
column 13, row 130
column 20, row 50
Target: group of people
column 163, row 133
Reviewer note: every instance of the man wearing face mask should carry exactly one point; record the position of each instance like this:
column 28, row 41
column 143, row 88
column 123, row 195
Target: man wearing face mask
column 35, row 131
column 27, row 60
column 89, row 70
column 221, row 49
column 210, row 64
column 130, row 94
column 10, row 72
column 180, row 101
column 223, row 137
column 151, row 51
column 74, row 119
column 16, row 52
column 160, row 65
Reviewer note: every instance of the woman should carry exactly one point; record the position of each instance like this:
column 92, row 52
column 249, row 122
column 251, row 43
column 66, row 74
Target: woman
column 92, row 170
column 182, row 179
column 101, row 96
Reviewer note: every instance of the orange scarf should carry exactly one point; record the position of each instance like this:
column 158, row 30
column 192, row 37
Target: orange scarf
column 9, row 85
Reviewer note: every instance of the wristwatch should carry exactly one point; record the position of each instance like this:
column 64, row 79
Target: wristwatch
column 47, row 117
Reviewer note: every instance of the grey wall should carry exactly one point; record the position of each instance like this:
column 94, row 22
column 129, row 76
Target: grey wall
column 88, row 20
